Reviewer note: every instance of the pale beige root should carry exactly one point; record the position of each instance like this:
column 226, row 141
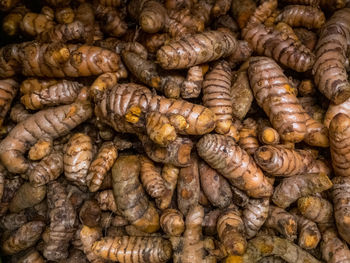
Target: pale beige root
column 132, row 201
column 53, row 123
column 248, row 136
column 178, row 153
column 241, row 95
column 172, row 223
column 278, row 160
column 192, row 86
column 8, row 90
column 264, row 246
column 334, row 250
column 267, row 134
column 77, row 158
column 192, row 247
column 231, row 231
column 316, row 209
column 40, row 150
column 221, row 153
column 274, row 95
column 170, row 175
column 37, row 94
column 215, row 187
column 283, row 222
column 62, row 222
column 151, row 178
column 27, row 196
column 137, row 100
column 101, row 165
column 18, row 113
column 126, row 249
column 48, row 169
column 216, row 95
column 329, row 71
column 188, row 186
column 88, row 236
column 159, row 129
column 184, row 53
column 292, row 188
column 340, row 197
column 106, row 201
column 339, row 133
column 25, row 237
column 254, row 215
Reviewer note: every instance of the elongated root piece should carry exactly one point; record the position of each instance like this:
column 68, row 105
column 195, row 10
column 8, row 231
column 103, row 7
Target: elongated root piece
column 280, row 161
column 248, row 136
column 126, row 249
column 292, row 188
column 133, row 205
column 216, row 95
column 221, row 153
column 339, row 133
column 184, row 53
column 264, row 246
column 274, row 95
column 329, row 72
column 254, row 215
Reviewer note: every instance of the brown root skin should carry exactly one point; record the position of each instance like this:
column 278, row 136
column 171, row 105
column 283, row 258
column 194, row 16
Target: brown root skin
column 333, row 248
column 88, row 236
column 27, row 196
column 215, row 187
column 292, row 188
column 340, row 197
column 48, row 169
column 170, row 175
column 302, row 16
column 309, row 234
column 280, row 161
column 172, row 223
column 329, row 68
column 125, row 248
column 62, row 221
column 242, row 10
column 64, row 15
column 288, row 116
column 11, row 22
column 216, row 95
column 106, row 201
column 283, row 222
column 101, row 165
column 316, row 209
column 192, row 247
column 8, row 90
column 77, row 158
column 219, row 151
column 41, row 149
column 218, row 44
column 25, row 237
column 90, row 213
column 264, row 246
column 188, row 186
column 231, row 232
column 139, row 100
column 339, row 133
column 33, row 24
column 151, row 178
column 159, row 129
column 248, row 136
column 254, row 215
column 192, row 86
column 136, row 208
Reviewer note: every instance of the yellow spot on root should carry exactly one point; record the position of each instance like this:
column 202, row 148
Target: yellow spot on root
column 234, row 259
column 269, row 136
column 71, row 112
column 289, row 89
column 310, row 241
column 265, row 248
column 133, row 114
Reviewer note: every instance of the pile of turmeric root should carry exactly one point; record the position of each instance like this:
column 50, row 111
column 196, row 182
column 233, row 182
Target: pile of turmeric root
column 185, row 131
